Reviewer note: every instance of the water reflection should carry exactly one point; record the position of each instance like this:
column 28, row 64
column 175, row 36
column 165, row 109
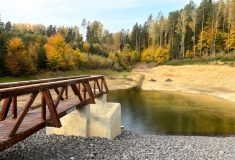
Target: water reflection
column 174, row 113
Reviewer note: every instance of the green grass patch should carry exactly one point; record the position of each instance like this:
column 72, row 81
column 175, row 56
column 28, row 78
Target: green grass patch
column 226, row 59
column 54, row 74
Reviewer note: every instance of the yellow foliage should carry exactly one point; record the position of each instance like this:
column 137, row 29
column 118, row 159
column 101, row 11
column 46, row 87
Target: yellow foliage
column 230, row 44
column 148, row 55
column 113, row 57
column 90, row 61
column 59, row 54
column 86, row 47
column 189, row 55
column 158, row 55
column 14, row 44
column 20, row 59
column 162, row 55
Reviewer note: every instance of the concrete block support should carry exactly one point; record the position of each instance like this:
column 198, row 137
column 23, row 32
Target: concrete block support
column 94, row 120
column 105, row 120
column 74, row 123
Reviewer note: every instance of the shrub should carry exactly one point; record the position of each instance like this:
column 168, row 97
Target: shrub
column 162, row 55
column 148, row 55
column 90, row 61
column 189, row 55
column 158, row 55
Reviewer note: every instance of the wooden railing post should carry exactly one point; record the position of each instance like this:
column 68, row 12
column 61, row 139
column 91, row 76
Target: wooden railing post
column 84, row 91
column 43, row 107
column 66, row 92
column 14, row 107
column 94, row 86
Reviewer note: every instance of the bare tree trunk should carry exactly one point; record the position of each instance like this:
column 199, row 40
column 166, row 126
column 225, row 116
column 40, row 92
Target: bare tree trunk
column 203, row 19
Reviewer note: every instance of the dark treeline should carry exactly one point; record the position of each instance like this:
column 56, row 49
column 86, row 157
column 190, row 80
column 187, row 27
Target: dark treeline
column 193, row 32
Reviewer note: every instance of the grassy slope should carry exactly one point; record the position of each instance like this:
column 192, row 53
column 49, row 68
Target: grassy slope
column 51, row 74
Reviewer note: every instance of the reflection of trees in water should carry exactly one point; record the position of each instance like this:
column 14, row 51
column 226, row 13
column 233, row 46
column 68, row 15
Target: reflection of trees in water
column 170, row 113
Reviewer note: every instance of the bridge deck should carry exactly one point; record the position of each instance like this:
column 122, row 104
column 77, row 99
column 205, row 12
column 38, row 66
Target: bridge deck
column 33, row 120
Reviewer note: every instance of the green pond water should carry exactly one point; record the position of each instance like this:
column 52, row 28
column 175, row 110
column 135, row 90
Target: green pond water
column 159, row 112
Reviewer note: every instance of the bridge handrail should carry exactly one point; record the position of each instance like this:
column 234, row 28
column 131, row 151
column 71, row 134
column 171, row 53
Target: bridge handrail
column 22, row 90
column 22, row 83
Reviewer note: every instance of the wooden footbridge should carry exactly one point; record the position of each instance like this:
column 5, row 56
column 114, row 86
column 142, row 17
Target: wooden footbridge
column 51, row 100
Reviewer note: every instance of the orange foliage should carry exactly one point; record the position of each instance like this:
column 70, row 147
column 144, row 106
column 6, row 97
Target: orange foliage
column 19, row 59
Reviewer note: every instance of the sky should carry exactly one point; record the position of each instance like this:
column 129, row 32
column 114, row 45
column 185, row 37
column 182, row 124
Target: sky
column 113, row 14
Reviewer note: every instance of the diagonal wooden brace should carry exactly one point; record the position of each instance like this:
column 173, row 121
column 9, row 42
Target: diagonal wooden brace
column 98, row 85
column 23, row 114
column 90, row 93
column 60, row 94
column 55, row 121
column 76, row 92
column 105, row 85
column 5, row 108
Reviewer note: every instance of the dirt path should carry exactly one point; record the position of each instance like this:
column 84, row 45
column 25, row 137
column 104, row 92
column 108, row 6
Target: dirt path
column 212, row 80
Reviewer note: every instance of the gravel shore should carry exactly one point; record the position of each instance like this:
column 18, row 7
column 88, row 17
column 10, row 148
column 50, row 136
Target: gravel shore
column 128, row 145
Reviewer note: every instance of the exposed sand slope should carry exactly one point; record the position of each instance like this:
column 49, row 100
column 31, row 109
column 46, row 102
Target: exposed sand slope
column 125, row 81
column 207, row 79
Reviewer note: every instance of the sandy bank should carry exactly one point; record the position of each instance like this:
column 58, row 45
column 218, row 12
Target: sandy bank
column 205, row 79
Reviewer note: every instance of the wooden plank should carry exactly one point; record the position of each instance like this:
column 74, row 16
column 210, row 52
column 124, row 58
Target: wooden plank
column 6, row 143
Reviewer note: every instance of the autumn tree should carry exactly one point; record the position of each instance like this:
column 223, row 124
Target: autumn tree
column 20, row 59
column 60, row 56
column 148, row 55
column 161, row 55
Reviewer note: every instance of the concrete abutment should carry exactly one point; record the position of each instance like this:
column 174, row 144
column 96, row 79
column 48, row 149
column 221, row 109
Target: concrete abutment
column 102, row 119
